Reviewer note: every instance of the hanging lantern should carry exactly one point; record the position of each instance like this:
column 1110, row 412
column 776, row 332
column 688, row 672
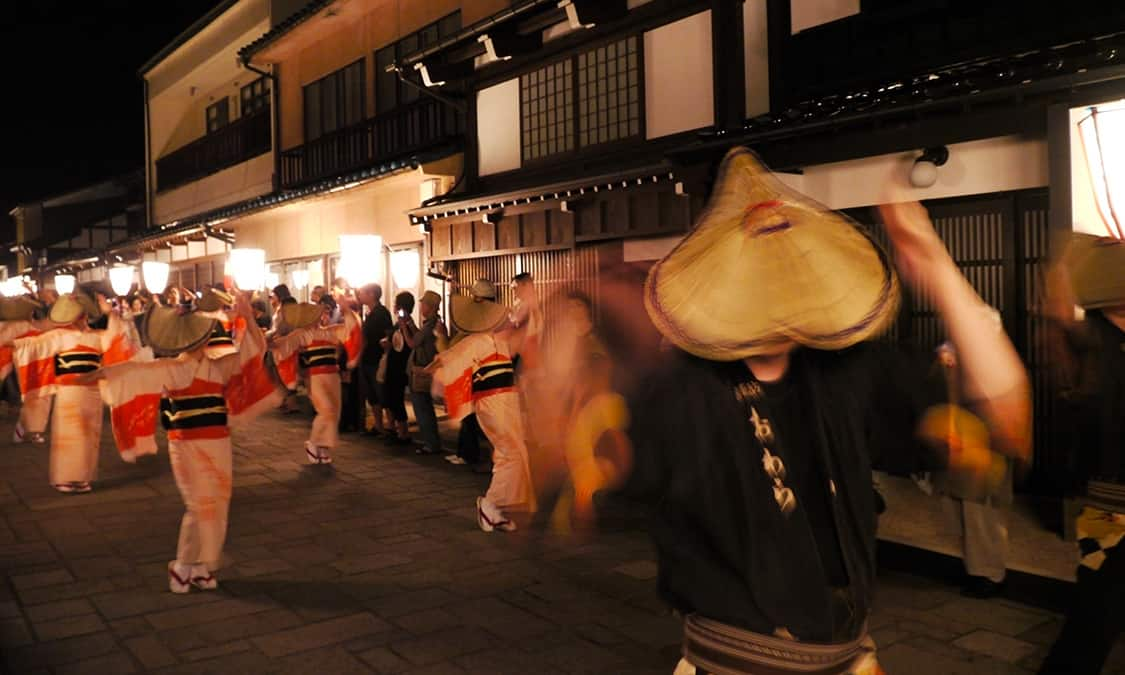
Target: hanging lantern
column 1103, row 139
column 64, row 283
column 406, row 267
column 247, row 266
column 361, row 258
column 121, row 279
column 155, row 275
column 300, row 279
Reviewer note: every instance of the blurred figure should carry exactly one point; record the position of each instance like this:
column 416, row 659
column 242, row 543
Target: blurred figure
column 425, row 342
column 469, row 450
column 397, row 348
column 759, row 482
column 261, row 314
column 1090, row 371
column 980, row 513
column 316, row 294
column 377, row 325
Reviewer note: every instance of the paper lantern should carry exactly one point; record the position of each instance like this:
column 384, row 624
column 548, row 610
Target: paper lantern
column 248, row 266
column 121, row 279
column 1103, row 139
column 361, row 258
column 155, row 275
column 64, row 283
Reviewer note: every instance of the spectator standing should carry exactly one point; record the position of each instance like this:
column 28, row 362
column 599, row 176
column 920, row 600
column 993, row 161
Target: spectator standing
column 425, row 343
column 398, row 357
column 376, row 327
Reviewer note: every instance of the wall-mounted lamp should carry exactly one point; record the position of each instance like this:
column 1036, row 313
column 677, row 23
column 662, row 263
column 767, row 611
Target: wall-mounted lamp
column 924, row 173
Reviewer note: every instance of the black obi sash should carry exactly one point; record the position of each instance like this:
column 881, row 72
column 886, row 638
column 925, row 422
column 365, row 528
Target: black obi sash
column 193, row 412
column 315, row 357
column 76, row 363
column 494, row 375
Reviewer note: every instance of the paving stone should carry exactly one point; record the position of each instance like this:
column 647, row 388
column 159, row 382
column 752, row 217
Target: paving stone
column 215, row 651
column 640, row 569
column 131, row 627
column 383, row 660
column 27, row 582
column 996, row 645
column 207, row 612
column 81, row 589
column 320, row 634
column 58, row 610
column 118, row 662
column 57, row 629
column 150, row 652
column 410, row 601
column 241, row 627
column 59, row 652
column 907, row 658
column 334, row 660
column 992, row 616
column 370, row 562
column 443, row 645
column 427, row 621
column 121, row 604
column 14, row 633
column 888, row 635
column 242, row 662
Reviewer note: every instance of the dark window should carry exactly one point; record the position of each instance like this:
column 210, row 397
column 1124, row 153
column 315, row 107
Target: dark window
column 335, row 101
column 585, row 100
column 255, row 96
column 389, row 91
column 218, row 115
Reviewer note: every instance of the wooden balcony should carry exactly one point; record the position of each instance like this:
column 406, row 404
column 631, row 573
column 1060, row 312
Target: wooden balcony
column 405, row 130
column 241, row 140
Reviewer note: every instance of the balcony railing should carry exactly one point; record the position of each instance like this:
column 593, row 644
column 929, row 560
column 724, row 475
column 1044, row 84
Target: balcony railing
column 242, row 139
column 418, row 126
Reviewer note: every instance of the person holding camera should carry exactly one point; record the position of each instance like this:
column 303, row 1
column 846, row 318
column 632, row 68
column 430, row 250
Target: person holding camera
column 398, row 351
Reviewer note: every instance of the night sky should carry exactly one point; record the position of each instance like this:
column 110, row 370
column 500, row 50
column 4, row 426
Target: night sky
column 74, row 109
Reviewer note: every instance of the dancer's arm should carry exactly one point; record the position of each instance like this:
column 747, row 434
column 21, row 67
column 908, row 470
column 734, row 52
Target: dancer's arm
column 993, row 378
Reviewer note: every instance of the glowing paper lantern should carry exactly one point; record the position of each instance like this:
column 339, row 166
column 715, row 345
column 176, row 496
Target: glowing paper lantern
column 405, row 266
column 155, row 275
column 300, row 279
column 248, row 266
column 121, row 279
column 1103, row 139
column 360, row 258
column 64, row 283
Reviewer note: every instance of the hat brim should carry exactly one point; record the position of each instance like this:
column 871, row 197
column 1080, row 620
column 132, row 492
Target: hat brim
column 214, row 301
column 168, row 332
column 301, row 315
column 72, row 307
column 17, row 309
column 1096, row 268
column 765, row 266
column 471, row 316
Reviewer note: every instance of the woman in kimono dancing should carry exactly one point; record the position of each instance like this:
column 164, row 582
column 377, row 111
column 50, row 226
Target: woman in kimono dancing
column 52, row 363
column 16, row 322
column 315, row 343
column 198, row 399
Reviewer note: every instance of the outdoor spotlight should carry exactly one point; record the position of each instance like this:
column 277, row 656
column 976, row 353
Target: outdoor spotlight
column 924, row 173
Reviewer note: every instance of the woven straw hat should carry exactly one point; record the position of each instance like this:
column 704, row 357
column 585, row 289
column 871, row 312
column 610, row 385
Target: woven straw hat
column 72, row 307
column 17, row 309
column 214, row 300
column 301, row 315
column 471, row 316
column 1096, row 266
column 430, row 298
column 483, row 289
column 765, row 265
column 170, row 332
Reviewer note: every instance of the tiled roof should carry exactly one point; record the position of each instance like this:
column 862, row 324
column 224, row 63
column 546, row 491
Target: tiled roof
column 271, row 36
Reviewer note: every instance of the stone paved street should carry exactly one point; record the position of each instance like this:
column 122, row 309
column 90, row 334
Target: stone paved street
column 377, row 566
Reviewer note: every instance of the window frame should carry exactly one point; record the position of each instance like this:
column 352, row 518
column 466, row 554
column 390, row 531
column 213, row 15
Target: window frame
column 579, row 150
column 424, row 37
column 254, row 102
column 338, row 93
column 222, row 115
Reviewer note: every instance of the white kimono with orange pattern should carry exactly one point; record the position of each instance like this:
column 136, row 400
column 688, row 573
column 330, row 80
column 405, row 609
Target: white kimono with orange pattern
column 35, row 411
column 50, row 364
column 198, row 400
column 315, row 350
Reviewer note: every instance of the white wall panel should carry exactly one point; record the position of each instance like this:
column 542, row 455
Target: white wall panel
column 679, row 79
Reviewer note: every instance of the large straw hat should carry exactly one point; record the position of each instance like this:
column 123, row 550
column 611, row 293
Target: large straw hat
column 169, row 331
column 17, row 309
column 300, row 315
column 1096, row 266
column 472, row 316
column 214, row 300
column 430, row 298
column 765, row 265
column 71, row 307
column 483, row 289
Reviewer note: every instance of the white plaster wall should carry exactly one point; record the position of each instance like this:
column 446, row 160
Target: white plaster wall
column 805, row 14
column 679, row 80
column 977, row 167
column 756, row 46
column 234, row 184
column 498, row 127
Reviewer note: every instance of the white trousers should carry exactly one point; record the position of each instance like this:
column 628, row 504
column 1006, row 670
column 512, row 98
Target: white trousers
column 501, row 419
column 325, row 393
